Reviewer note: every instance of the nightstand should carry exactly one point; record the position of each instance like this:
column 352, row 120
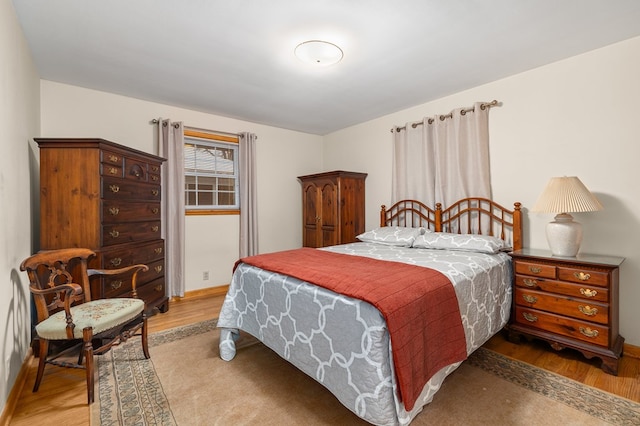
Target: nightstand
column 570, row 302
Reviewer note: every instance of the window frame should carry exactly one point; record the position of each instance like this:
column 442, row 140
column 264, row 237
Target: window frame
column 190, row 134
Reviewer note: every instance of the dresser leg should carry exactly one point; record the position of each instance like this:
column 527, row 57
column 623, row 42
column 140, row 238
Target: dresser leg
column 164, row 306
column 610, row 366
column 514, row 337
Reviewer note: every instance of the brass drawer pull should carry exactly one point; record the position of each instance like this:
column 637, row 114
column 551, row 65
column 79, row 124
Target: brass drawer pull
column 159, row 287
column 529, row 282
column 158, row 269
column 114, row 233
column 114, row 211
column 113, row 171
column 529, row 317
column 154, row 178
column 113, row 158
column 155, row 168
column 116, row 284
column 155, row 192
column 589, row 332
column 155, row 210
column 114, row 188
column 581, row 276
column 155, row 228
column 529, row 298
column 116, row 261
column 588, row 310
column 158, row 250
column 535, row 269
column 588, row 292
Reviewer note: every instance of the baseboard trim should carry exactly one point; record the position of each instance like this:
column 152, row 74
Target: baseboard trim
column 203, row 292
column 16, row 390
column 631, row 351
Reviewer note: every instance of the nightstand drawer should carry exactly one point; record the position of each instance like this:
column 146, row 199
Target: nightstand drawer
column 559, row 287
column 584, row 276
column 535, row 269
column 557, row 304
column 581, row 330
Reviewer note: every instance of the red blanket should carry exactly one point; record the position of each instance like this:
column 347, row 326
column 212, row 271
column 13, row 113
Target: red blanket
column 419, row 305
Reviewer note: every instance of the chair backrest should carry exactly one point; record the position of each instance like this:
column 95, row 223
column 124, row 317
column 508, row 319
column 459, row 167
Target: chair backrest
column 53, row 268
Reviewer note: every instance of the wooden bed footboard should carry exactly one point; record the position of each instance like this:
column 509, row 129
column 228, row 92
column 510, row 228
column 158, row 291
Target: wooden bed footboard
column 475, row 215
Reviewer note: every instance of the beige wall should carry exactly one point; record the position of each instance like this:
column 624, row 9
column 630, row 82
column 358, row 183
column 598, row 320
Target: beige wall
column 19, row 104
column 573, row 117
column 211, row 241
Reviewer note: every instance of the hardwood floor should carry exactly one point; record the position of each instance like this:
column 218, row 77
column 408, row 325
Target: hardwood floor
column 62, row 395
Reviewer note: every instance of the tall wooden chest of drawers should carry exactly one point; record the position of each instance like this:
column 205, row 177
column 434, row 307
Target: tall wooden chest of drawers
column 568, row 302
column 106, row 197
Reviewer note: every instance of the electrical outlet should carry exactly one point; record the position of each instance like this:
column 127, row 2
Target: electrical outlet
column 205, row 276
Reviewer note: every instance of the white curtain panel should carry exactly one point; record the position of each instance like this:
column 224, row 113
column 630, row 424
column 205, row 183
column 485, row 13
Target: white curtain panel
column 444, row 158
column 171, row 147
column 248, row 195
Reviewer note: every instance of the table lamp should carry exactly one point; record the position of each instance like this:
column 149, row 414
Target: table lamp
column 564, row 195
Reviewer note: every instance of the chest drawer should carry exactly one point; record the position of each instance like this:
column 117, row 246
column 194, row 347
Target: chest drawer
column 152, row 291
column 584, row 276
column 156, row 270
column 119, row 189
column 121, row 286
column 581, row 330
column 535, row 269
column 130, row 232
column 562, row 305
column 112, row 158
column 111, row 170
column 116, row 287
column 145, row 254
column 568, row 289
column 120, row 211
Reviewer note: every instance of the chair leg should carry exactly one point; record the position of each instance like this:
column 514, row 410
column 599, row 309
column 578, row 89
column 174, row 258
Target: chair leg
column 81, row 355
column 87, row 349
column 145, row 341
column 42, row 361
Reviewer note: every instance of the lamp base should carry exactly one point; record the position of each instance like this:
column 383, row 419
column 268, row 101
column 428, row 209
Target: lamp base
column 564, row 236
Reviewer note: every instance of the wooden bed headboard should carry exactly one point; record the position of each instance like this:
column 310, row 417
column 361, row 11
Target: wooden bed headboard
column 467, row 216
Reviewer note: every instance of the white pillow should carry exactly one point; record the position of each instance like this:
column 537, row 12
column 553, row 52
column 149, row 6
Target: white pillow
column 465, row 242
column 392, row 235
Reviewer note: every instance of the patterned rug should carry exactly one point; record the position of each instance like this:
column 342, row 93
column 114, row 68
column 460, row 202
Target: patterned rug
column 185, row 383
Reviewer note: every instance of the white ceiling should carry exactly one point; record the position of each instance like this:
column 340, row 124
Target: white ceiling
column 235, row 57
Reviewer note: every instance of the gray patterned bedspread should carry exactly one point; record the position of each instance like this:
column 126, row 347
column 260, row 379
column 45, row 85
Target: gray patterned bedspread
column 342, row 342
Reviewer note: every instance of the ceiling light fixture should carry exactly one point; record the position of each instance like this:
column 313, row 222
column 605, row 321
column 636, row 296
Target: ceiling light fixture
column 319, row 53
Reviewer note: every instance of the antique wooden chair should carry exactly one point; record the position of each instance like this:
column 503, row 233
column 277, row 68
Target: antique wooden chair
column 69, row 318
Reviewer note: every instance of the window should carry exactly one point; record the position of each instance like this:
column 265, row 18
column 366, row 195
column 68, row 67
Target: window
column 211, row 173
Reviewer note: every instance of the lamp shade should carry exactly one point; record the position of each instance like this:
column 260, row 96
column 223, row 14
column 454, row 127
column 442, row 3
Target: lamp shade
column 566, row 195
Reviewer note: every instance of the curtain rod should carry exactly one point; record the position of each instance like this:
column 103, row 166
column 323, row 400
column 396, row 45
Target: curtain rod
column 212, row 131
column 450, row 115
column 156, row 121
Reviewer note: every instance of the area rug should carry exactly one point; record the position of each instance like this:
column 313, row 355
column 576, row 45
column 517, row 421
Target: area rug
column 186, row 383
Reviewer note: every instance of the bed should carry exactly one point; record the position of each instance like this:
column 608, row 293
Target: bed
column 351, row 346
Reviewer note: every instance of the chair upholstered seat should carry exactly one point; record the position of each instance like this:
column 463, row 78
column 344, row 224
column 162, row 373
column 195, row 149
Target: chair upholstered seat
column 101, row 315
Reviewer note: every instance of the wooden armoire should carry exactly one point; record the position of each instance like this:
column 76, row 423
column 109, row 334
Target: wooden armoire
column 333, row 208
column 105, row 197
